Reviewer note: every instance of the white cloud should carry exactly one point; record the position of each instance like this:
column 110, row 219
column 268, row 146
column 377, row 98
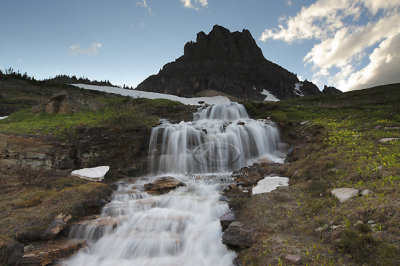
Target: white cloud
column 289, row 2
column 93, row 49
column 195, row 4
column 143, row 3
column 343, row 38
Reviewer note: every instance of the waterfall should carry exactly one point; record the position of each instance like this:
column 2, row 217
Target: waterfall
column 180, row 227
column 221, row 138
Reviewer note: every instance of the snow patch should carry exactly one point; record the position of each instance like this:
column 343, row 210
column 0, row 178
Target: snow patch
column 92, row 174
column 270, row 183
column 3, row 117
column 155, row 95
column 269, row 97
column 297, row 90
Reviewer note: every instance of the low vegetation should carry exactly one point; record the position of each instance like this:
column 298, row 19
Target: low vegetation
column 349, row 140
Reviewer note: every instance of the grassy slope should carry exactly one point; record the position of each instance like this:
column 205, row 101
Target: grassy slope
column 338, row 147
column 31, row 199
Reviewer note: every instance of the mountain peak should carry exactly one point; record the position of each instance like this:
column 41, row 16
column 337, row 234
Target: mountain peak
column 229, row 62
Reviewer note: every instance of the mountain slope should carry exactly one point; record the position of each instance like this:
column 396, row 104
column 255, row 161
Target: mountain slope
column 231, row 63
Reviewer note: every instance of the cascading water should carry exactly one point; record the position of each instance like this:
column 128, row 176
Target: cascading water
column 181, row 227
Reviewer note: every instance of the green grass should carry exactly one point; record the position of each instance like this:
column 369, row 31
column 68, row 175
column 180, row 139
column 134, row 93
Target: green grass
column 340, row 139
column 117, row 112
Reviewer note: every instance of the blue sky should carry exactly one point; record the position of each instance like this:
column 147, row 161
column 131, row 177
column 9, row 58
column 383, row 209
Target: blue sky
column 125, row 41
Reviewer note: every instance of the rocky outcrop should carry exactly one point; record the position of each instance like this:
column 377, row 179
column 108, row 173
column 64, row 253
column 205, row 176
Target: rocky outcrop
column 231, row 63
column 163, row 185
column 49, row 252
column 331, row 90
column 123, row 150
column 64, row 103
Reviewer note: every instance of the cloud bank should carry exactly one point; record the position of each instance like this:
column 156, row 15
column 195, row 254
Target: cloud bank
column 194, row 4
column 357, row 42
column 93, row 49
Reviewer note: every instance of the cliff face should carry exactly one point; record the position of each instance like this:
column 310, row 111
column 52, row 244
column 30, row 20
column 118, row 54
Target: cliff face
column 228, row 62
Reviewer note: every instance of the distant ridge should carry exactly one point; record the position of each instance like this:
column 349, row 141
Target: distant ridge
column 231, row 63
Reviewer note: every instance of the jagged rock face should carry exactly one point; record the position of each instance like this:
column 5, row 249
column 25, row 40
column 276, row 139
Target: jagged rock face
column 228, row 62
column 331, row 90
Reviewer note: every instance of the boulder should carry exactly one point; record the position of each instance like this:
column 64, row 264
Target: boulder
column 344, row 194
column 92, row 174
column 238, row 237
column 49, row 252
column 163, row 185
column 227, row 219
column 270, row 183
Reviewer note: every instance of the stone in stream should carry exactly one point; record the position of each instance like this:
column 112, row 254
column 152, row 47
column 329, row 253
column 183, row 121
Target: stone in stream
column 93, row 227
column 163, row 185
column 344, row 194
column 227, row 219
column 49, row 252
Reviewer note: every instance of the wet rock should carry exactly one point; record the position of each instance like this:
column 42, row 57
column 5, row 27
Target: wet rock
column 59, row 223
column 241, row 123
column 227, row 219
column 295, row 259
column 49, row 252
column 163, row 185
column 93, row 227
column 264, row 160
column 344, row 194
column 237, row 236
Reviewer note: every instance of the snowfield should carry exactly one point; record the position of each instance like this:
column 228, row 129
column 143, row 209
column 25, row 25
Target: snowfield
column 270, row 97
column 154, row 95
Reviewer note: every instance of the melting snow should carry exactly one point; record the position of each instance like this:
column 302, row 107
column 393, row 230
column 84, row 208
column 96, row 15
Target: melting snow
column 92, row 174
column 270, row 183
column 155, row 95
column 269, row 97
column 3, row 117
column 297, row 90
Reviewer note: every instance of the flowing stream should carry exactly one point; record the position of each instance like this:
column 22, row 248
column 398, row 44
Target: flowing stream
column 181, row 227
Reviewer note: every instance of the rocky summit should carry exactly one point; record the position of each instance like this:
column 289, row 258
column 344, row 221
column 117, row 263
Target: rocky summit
column 225, row 62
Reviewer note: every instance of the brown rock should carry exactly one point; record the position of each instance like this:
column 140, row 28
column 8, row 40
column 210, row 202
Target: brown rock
column 49, row 252
column 163, row 185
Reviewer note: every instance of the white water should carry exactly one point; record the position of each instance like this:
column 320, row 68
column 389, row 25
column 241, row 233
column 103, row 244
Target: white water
column 181, row 227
